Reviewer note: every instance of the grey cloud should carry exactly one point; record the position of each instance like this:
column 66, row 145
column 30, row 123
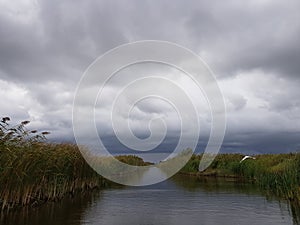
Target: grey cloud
column 245, row 36
column 238, row 102
column 154, row 106
column 68, row 35
column 47, row 55
column 259, row 143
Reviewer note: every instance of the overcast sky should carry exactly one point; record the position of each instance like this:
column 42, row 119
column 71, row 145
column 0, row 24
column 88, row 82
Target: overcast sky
column 252, row 47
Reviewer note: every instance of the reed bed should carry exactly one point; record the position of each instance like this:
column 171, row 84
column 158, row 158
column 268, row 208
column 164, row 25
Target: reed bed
column 33, row 171
column 276, row 174
column 43, row 172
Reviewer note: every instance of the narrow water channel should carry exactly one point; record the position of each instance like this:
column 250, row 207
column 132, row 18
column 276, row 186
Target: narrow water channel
column 179, row 200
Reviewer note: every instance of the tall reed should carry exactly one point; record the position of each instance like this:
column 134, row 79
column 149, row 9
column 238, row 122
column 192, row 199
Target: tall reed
column 33, row 171
column 277, row 174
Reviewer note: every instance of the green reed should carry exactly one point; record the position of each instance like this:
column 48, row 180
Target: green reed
column 277, row 174
column 33, row 171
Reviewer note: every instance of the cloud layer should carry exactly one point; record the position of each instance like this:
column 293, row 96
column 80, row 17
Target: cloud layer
column 252, row 46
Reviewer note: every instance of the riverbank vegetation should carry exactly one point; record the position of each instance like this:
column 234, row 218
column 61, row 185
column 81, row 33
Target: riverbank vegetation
column 33, row 171
column 276, row 174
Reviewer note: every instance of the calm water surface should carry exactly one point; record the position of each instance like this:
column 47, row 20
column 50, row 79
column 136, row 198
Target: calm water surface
column 179, row 200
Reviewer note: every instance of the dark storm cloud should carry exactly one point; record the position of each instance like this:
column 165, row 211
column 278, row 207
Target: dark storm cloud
column 259, row 143
column 249, row 35
column 66, row 36
column 45, row 46
column 61, row 42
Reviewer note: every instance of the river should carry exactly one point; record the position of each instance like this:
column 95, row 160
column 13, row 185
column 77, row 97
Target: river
column 179, row 200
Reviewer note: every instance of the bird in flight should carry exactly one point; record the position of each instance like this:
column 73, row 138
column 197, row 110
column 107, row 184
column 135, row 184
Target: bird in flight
column 247, row 157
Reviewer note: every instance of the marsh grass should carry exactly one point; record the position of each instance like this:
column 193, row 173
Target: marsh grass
column 42, row 172
column 277, row 174
column 33, row 171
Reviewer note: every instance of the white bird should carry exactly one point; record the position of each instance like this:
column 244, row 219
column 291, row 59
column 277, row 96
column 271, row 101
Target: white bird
column 247, row 157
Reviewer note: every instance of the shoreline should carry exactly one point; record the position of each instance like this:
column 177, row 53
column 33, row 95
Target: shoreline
column 33, row 174
column 275, row 174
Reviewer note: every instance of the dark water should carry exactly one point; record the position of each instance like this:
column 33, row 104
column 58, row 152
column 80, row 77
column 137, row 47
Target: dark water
column 179, row 200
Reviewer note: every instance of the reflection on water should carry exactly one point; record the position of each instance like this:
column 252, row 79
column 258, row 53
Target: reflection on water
column 179, row 200
column 69, row 211
column 295, row 211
